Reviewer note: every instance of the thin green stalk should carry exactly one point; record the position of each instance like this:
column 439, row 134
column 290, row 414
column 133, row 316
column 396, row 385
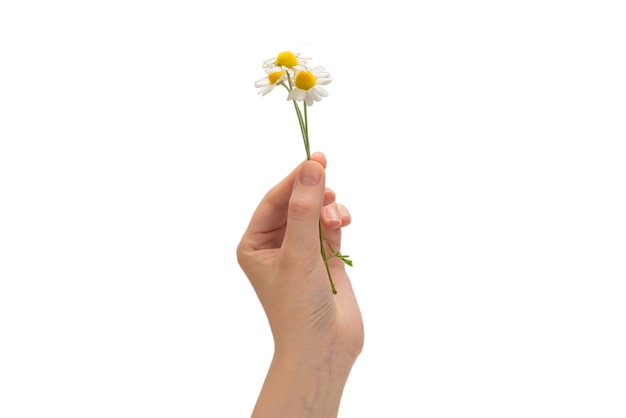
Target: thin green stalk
column 323, row 251
column 304, row 128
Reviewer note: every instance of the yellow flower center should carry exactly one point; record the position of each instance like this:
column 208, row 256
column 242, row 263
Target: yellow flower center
column 274, row 76
column 305, row 80
column 287, row 59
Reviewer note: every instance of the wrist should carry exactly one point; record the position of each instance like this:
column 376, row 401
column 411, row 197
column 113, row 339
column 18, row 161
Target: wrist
column 301, row 383
column 335, row 360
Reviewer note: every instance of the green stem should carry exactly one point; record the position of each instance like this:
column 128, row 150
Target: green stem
column 323, row 251
column 304, row 128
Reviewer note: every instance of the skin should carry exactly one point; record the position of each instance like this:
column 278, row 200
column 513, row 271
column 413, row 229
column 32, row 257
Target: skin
column 317, row 335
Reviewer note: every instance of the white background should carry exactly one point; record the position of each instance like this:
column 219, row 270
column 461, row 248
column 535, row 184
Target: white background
column 479, row 146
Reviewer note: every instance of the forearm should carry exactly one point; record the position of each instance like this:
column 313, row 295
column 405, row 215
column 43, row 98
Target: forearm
column 302, row 388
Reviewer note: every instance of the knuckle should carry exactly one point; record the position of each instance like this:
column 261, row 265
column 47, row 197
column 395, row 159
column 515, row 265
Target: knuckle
column 300, row 207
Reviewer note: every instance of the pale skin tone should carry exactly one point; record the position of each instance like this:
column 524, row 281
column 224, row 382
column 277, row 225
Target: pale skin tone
column 317, row 335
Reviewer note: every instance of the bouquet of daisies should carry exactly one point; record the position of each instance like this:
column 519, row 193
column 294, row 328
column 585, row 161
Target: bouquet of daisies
column 304, row 86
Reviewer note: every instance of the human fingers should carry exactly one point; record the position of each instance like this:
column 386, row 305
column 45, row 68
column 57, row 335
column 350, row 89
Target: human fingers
column 346, row 217
column 301, row 241
column 320, row 158
column 335, row 216
column 329, row 197
column 271, row 212
column 266, row 227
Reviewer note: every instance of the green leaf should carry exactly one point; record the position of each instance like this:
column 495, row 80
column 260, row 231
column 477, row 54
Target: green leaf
column 345, row 259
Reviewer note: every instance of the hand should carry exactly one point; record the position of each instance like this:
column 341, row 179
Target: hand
column 317, row 335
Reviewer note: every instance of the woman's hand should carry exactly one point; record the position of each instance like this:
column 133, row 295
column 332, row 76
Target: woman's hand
column 317, row 335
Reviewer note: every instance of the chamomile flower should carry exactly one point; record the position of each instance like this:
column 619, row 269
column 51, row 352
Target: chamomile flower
column 307, row 85
column 303, row 85
column 273, row 79
column 286, row 60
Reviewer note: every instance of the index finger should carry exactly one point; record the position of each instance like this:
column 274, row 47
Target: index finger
column 271, row 214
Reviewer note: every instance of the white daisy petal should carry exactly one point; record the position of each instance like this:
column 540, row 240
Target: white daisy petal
column 323, row 92
column 320, row 72
column 300, row 63
column 314, row 94
column 297, row 95
column 273, row 78
column 262, row 82
column 306, row 82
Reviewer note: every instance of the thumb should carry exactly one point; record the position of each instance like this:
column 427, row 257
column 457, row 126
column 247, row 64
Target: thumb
column 302, row 232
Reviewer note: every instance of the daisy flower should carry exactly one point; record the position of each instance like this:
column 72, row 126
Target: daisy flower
column 286, row 60
column 307, row 85
column 273, row 79
column 303, row 85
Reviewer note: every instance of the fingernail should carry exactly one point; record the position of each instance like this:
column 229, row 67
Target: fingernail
column 310, row 173
column 333, row 213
